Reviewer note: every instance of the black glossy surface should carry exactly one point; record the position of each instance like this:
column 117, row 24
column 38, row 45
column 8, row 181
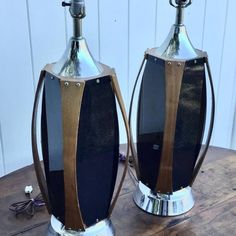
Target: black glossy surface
column 98, row 150
column 151, row 120
column 51, row 131
column 190, row 123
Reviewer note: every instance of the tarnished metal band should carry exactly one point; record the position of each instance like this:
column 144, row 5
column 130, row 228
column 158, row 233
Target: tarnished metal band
column 203, row 155
column 71, row 94
column 173, row 77
column 37, row 164
column 133, row 150
column 116, row 89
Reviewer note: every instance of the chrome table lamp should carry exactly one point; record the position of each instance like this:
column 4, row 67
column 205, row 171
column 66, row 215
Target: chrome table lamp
column 80, row 138
column 171, row 115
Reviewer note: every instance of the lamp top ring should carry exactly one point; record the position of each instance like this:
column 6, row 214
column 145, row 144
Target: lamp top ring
column 180, row 3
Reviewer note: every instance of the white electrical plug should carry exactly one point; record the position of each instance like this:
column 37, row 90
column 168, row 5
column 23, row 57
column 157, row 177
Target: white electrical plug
column 28, row 189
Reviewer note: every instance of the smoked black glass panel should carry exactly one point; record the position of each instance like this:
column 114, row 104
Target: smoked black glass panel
column 151, row 120
column 98, row 150
column 190, row 123
column 51, row 131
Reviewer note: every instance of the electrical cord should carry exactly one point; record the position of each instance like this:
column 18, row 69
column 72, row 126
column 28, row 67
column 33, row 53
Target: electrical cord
column 122, row 158
column 28, row 207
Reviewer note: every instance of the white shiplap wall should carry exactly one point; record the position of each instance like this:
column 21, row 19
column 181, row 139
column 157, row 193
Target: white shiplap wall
column 34, row 33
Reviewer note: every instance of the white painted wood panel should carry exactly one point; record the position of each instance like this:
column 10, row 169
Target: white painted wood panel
column 16, row 90
column 142, row 35
column 47, row 31
column 165, row 19
column 209, row 39
column 114, row 44
column 226, row 84
column 194, row 20
column 118, row 33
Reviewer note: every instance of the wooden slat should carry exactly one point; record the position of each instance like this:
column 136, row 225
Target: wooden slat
column 16, row 90
column 173, row 78
column 72, row 96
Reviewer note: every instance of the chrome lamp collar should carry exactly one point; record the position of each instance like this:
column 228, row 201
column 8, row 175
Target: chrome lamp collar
column 177, row 44
column 102, row 228
column 174, row 204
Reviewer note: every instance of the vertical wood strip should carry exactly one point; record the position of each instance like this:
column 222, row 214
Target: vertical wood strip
column 173, row 77
column 72, row 95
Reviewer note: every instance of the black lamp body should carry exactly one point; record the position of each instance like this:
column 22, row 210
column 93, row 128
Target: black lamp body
column 97, row 146
column 170, row 122
column 154, row 124
column 80, row 139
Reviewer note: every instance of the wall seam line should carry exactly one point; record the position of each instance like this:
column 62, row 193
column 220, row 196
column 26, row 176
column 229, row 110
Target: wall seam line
column 128, row 55
column 232, row 119
column 31, row 44
column 204, row 25
column 221, row 65
column 99, row 31
column 155, row 37
column 2, row 151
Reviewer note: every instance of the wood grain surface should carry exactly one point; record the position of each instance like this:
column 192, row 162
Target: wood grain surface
column 173, row 78
column 213, row 214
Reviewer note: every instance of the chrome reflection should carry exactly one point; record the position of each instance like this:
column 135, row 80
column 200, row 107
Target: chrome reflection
column 77, row 61
column 103, row 228
column 177, row 45
column 174, row 204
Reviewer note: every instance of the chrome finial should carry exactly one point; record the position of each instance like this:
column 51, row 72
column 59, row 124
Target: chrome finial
column 177, row 44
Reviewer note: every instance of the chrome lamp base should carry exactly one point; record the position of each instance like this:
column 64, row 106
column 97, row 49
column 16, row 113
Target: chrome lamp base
column 175, row 204
column 103, row 228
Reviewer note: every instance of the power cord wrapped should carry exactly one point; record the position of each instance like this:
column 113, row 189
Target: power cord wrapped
column 28, row 207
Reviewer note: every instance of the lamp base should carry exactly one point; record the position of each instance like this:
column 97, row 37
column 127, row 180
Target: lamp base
column 174, row 204
column 103, row 228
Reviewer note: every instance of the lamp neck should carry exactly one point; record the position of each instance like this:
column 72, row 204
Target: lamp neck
column 179, row 16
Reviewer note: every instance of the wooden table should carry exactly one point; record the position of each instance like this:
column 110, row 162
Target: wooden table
column 213, row 214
